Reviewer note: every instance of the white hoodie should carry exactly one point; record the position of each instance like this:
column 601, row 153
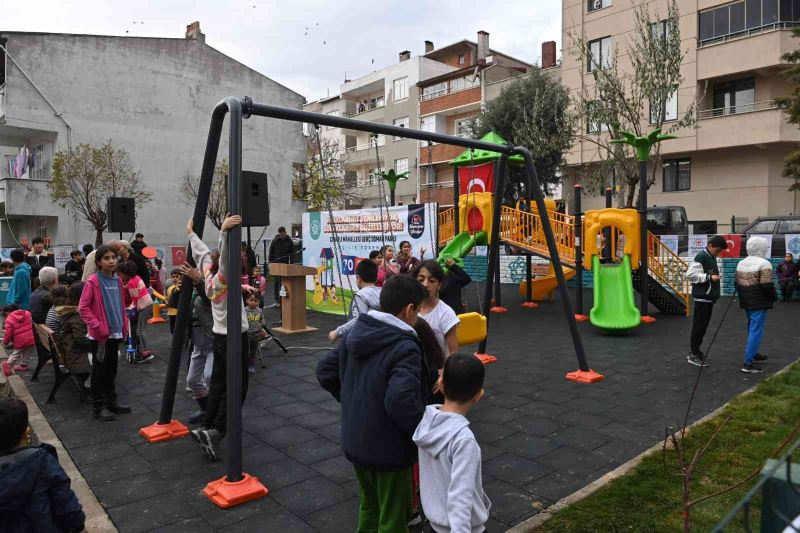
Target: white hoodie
column 450, row 478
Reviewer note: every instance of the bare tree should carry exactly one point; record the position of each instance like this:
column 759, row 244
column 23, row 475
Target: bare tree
column 86, row 177
column 218, row 200
column 635, row 102
column 323, row 178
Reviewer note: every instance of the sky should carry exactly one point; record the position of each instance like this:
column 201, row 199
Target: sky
column 307, row 45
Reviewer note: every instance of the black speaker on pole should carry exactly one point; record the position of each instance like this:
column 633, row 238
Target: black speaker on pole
column 255, row 199
column 121, row 214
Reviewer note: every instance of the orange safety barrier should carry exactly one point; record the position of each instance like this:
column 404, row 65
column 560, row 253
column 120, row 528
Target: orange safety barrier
column 163, row 432
column 226, row 494
column 447, row 226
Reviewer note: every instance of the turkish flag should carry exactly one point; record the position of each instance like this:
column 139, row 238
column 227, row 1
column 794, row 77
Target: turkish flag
column 479, row 178
column 734, row 246
column 178, row 255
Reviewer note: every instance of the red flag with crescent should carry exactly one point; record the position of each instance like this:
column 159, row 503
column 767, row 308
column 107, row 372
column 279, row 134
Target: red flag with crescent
column 479, row 178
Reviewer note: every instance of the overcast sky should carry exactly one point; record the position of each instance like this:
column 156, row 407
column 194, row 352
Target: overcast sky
column 306, row 45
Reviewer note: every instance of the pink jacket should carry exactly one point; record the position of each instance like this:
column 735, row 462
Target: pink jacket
column 137, row 295
column 19, row 330
column 93, row 312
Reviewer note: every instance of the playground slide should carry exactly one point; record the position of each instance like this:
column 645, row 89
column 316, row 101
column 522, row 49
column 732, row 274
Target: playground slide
column 614, row 309
column 544, row 286
column 461, row 246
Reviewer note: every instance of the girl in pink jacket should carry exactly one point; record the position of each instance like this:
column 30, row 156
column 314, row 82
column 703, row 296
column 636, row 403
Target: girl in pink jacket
column 19, row 334
column 137, row 301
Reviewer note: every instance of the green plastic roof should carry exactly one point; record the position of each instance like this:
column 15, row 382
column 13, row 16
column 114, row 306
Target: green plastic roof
column 484, row 156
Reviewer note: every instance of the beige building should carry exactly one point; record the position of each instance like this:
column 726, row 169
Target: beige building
column 731, row 163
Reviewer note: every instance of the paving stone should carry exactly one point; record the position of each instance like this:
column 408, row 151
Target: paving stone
column 264, row 423
column 317, row 419
column 279, row 521
column 310, row 496
column 85, row 455
column 259, row 454
column 584, row 420
column 338, row 469
column 130, row 489
column 339, row 518
column 120, row 468
column 293, row 409
column 281, row 474
column 543, row 409
column 534, row 425
column 506, row 400
column 580, row 439
column 526, row 445
column 162, row 450
column 590, row 405
column 557, row 485
column 570, row 461
column 514, row 469
column 510, row 503
column 313, row 451
column 151, row 513
column 332, row 432
column 219, row 517
column 286, row 436
column 497, row 415
column 273, row 399
column 488, row 432
column 190, row 525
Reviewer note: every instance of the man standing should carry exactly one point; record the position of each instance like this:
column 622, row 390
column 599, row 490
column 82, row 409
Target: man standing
column 756, row 295
column 38, row 257
column 138, row 243
column 703, row 274
column 280, row 251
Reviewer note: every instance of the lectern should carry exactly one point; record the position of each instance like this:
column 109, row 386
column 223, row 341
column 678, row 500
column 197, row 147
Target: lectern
column 293, row 305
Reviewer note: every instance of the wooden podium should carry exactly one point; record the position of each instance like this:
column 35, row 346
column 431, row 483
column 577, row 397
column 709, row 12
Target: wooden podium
column 293, row 305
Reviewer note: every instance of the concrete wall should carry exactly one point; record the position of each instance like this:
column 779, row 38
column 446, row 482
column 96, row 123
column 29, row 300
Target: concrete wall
column 152, row 97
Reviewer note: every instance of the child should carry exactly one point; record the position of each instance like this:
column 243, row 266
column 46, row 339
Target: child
column 255, row 330
column 703, row 274
column 58, row 297
column 74, row 267
column 260, row 283
column 6, row 269
column 439, row 316
column 376, row 374
column 756, row 292
column 172, row 310
column 19, row 334
column 102, row 309
column 450, row 291
column 72, row 340
column 388, row 266
column 215, row 423
column 138, row 300
column 34, row 489
column 202, row 359
column 19, row 291
column 366, row 299
column 787, row 276
column 449, row 456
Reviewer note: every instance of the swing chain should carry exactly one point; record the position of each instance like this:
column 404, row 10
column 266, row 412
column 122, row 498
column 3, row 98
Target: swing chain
column 435, row 218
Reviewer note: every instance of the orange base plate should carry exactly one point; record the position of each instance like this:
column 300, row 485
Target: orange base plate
column 648, row 319
column 581, row 318
column 161, row 432
column 156, row 320
column 225, row 494
column 529, row 305
column 498, row 310
column 588, row 376
column 485, row 358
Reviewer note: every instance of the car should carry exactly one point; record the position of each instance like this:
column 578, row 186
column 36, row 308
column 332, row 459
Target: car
column 669, row 220
column 778, row 226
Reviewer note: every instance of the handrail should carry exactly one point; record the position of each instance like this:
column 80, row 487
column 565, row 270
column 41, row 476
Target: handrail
column 447, row 90
column 447, row 226
column 366, row 108
column 524, row 229
column 737, row 110
column 361, row 147
column 668, row 268
column 781, row 25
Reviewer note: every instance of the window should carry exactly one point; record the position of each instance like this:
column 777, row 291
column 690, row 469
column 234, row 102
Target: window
column 594, row 5
column 593, row 124
column 434, row 91
column 464, row 127
column 659, row 29
column 789, row 226
column 736, row 96
column 401, row 165
column 600, row 54
column 765, row 226
column 461, row 59
column 428, row 123
column 400, row 88
column 467, row 82
column 677, row 175
column 332, row 114
column 668, row 113
column 376, row 140
column 749, row 15
column 400, row 123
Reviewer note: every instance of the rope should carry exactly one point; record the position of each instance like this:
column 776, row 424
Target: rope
column 384, row 203
column 435, row 219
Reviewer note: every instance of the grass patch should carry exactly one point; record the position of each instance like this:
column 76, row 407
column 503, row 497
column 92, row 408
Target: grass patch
column 649, row 497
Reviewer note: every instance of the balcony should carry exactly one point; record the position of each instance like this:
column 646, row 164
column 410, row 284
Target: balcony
column 29, row 197
column 449, row 98
column 744, row 125
column 366, row 108
column 363, row 153
column 439, row 153
column 752, row 51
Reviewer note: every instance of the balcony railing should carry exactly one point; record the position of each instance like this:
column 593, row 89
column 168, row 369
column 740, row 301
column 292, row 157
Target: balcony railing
column 444, row 91
column 365, row 108
column 437, row 185
column 360, row 147
column 737, row 110
column 747, row 33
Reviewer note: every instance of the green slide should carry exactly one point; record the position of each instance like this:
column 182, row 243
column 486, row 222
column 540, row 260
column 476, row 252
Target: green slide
column 614, row 310
column 461, row 246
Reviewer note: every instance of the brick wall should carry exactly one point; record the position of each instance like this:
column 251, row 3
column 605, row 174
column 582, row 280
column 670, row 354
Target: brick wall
column 439, row 153
column 450, row 101
column 444, row 196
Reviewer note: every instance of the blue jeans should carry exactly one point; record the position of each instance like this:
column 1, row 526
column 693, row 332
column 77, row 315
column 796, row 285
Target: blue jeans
column 755, row 331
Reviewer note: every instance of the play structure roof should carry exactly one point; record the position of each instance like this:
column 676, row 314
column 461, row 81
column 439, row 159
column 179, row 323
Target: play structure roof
column 484, row 156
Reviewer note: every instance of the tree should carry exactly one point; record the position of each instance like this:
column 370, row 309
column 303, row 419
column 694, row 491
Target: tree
column 533, row 111
column 218, row 199
column 791, row 168
column 323, row 178
column 635, row 101
column 86, row 177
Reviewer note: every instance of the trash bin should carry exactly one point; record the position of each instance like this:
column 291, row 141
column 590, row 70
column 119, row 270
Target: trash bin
column 5, row 283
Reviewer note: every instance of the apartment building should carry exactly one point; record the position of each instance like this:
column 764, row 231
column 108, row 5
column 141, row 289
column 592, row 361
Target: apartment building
column 439, row 91
column 731, row 163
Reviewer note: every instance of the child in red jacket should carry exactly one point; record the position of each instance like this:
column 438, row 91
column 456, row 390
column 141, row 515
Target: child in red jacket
column 19, row 335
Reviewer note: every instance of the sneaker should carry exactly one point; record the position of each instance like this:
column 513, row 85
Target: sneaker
column 251, row 369
column 6, row 368
column 139, row 359
column 751, row 369
column 21, row 367
column 696, row 360
column 147, row 352
column 209, row 440
column 416, row 519
column 760, row 358
column 197, row 437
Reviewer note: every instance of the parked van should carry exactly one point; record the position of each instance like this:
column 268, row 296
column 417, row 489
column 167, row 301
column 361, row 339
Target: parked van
column 669, row 220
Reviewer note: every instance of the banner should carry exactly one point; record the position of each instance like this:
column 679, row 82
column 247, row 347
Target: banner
column 768, row 237
column 479, row 178
column 793, row 244
column 178, row 255
column 670, row 241
column 697, row 243
column 358, row 232
column 734, row 246
column 61, row 256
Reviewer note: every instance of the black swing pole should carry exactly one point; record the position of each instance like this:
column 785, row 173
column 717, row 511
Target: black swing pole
column 498, row 298
column 584, row 374
column 579, row 316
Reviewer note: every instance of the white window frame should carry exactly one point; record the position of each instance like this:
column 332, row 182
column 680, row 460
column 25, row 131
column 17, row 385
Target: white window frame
column 595, row 5
column 595, row 127
column 604, row 48
column 670, row 109
column 400, row 88
column 465, row 124
column 402, row 122
column 401, row 165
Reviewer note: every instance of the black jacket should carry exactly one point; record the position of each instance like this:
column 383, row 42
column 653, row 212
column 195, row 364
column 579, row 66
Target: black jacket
column 141, row 268
column 73, row 271
column 377, row 373
column 40, row 305
column 281, row 248
column 35, row 493
column 450, row 293
column 37, row 263
column 699, row 275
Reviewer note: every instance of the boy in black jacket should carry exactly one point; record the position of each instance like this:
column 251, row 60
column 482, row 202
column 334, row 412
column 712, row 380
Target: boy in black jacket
column 376, row 373
column 34, row 490
column 703, row 274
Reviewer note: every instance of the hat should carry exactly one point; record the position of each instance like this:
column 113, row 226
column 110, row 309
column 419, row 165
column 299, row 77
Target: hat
column 718, row 241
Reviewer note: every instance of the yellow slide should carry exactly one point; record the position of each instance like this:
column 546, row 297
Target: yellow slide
column 544, row 286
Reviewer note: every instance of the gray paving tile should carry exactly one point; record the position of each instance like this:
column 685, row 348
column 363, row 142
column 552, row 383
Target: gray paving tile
column 310, row 496
column 515, row 469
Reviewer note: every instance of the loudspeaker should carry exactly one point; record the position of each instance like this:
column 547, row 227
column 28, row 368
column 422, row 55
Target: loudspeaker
column 121, row 214
column 255, row 199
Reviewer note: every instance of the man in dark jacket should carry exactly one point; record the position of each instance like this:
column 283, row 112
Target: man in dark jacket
column 280, row 251
column 38, row 257
column 376, row 373
column 35, row 493
column 138, row 243
column 703, row 274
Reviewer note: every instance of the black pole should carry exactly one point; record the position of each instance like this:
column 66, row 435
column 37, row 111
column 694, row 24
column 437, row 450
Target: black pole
column 494, row 246
column 578, row 250
column 185, row 299
column 607, row 251
column 391, row 196
column 529, row 277
column 554, row 257
column 456, row 191
column 733, row 224
column 643, row 275
column 497, row 298
column 234, row 298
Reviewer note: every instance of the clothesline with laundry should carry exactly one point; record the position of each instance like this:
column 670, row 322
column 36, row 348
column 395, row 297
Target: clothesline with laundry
column 17, row 165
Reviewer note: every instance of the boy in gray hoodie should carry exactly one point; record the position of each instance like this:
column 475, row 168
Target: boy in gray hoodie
column 368, row 297
column 451, row 484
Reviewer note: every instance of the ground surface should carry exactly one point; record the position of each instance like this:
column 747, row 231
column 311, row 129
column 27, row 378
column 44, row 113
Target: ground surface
column 542, row 437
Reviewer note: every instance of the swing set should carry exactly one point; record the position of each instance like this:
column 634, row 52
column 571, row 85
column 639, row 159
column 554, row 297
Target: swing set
column 237, row 486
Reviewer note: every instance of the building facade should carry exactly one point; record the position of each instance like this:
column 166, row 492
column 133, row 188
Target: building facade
column 730, row 163
column 151, row 96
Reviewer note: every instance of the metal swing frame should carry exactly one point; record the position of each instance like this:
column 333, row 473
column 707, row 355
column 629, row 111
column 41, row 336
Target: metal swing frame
column 244, row 108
